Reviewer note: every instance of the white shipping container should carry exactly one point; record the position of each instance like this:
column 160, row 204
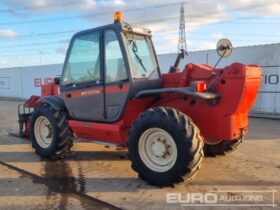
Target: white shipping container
column 22, row 82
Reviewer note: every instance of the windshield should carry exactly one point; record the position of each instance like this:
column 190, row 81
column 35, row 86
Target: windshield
column 142, row 57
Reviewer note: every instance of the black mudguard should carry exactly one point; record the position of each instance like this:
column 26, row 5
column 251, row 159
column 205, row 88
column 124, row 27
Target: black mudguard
column 56, row 102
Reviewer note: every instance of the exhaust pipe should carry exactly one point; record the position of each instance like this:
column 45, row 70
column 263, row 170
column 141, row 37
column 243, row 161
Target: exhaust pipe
column 175, row 67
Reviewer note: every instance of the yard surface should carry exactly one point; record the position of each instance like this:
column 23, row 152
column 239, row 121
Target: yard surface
column 98, row 177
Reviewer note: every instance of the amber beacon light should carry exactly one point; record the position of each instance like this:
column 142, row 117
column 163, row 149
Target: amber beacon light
column 118, row 16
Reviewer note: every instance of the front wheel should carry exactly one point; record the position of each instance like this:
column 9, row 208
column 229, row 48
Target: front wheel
column 165, row 147
column 50, row 134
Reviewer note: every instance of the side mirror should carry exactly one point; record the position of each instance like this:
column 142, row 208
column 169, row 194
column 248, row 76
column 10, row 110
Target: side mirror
column 57, row 80
column 224, row 48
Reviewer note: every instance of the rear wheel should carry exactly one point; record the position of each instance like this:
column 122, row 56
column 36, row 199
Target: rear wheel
column 165, row 147
column 222, row 148
column 50, row 134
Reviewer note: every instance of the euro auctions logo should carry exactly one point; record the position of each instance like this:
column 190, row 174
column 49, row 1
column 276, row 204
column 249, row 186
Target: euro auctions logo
column 192, row 198
column 224, row 198
column 38, row 82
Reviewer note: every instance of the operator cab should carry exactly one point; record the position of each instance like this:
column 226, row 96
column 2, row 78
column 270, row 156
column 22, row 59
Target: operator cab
column 105, row 67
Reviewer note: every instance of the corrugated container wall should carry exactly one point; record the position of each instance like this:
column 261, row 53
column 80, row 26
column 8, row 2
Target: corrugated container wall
column 22, row 82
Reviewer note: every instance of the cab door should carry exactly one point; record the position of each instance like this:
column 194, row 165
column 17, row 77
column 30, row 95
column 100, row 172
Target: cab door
column 116, row 75
column 82, row 84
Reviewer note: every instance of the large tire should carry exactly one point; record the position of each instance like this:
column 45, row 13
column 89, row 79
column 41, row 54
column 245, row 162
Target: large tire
column 50, row 134
column 222, row 148
column 172, row 140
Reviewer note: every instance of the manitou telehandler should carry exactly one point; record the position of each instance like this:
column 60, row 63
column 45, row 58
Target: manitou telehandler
column 111, row 91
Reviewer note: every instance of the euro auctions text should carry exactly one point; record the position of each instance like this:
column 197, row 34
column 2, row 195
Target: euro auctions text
column 224, row 198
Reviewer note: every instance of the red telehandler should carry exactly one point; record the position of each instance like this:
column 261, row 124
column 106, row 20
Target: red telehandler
column 111, row 91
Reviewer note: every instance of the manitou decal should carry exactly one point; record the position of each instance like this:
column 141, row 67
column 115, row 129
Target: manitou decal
column 38, row 82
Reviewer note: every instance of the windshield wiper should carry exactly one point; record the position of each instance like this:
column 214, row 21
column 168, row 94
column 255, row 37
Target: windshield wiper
column 135, row 50
column 134, row 47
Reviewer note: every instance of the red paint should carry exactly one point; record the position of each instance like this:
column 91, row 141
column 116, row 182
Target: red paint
column 87, row 92
column 49, row 89
column 116, row 88
column 227, row 120
column 98, row 90
column 32, row 101
column 115, row 133
column 237, row 84
column 99, row 131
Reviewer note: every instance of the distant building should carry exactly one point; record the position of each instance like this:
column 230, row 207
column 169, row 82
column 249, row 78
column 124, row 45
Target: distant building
column 22, row 82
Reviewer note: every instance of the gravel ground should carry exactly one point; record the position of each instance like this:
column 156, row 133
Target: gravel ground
column 98, row 177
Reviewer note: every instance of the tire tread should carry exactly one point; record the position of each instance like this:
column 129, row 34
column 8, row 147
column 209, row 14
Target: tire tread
column 191, row 138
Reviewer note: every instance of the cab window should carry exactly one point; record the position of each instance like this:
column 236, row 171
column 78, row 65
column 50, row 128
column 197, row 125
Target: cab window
column 83, row 63
column 142, row 57
column 114, row 61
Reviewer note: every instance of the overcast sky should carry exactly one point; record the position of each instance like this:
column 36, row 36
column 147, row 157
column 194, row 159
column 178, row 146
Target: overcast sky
column 34, row 32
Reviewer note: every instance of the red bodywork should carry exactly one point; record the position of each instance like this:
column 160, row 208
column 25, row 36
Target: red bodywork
column 226, row 120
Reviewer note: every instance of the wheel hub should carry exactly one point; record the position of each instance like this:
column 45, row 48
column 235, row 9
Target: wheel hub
column 157, row 149
column 160, row 148
column 46, row 132
column 43, row 132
